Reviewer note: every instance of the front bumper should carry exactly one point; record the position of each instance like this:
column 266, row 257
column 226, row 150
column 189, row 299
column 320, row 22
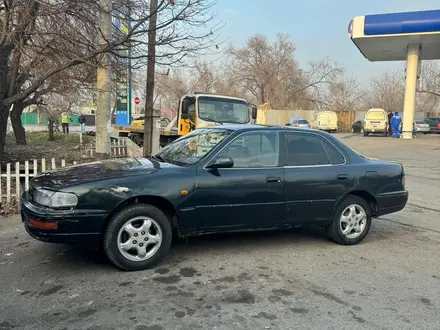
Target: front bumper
column 391, row 202
column 74, row 227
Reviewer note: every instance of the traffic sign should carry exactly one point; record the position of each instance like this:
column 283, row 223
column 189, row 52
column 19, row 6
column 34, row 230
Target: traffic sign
column 137, row 100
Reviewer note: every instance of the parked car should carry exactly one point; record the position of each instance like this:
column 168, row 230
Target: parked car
column 376, row 121
column 216, row 179
column 434, row 124
column 326, row 121
column 300, row 123
column 357, row 126
column 421, row 126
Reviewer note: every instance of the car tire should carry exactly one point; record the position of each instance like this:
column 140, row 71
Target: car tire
column 365, row 133
column 360, row 223
column 122, row 233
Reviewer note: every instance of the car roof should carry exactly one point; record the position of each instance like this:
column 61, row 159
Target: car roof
column 253, row 127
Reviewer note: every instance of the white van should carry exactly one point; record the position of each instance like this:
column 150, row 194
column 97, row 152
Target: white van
column 326, row 121
column 376, row 121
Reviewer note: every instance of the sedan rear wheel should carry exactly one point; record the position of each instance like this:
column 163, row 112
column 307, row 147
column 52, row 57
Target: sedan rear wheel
column 351, row 222
column 137, row 237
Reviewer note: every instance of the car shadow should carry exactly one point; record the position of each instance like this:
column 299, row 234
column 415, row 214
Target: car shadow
column 69, row 258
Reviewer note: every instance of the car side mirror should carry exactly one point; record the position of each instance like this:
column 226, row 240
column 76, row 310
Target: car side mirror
column 221, row 162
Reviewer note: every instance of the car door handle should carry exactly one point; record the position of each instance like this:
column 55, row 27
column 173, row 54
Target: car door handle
column 342, row 176
column 273, row 180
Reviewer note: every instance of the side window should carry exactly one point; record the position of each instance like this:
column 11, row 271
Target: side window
column 333, row 154
column 257, row 149
column 303, row 149
column 192, row 111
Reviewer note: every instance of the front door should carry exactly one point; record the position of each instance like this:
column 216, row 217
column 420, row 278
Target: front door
column 248, row 195
column 315, row 177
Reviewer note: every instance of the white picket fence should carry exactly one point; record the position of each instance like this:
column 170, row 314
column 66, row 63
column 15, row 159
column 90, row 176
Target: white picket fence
column 122, row 147
column 17, row 176
column 14, row 179
column 118, row 148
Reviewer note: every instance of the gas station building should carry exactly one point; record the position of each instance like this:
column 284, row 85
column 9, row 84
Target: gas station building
column 410, row 37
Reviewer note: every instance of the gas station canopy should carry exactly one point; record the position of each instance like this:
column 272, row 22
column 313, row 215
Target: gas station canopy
column 385, row 37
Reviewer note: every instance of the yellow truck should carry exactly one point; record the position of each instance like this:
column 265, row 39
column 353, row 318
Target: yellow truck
column 196, row 111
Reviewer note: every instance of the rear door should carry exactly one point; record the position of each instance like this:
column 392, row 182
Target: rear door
column 315, row 177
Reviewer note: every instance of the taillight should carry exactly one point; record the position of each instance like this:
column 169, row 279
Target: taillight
column 403, row 181
column 438, row 125
column 309, row 126
column 296, row 125
column 418, row 125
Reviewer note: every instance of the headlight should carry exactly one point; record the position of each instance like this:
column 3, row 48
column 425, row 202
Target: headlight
column 54, row 198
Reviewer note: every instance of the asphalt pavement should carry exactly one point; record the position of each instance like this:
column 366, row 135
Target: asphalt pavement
column 278, row 280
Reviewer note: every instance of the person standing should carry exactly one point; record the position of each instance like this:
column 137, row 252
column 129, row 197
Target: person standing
column 65, row 122
column 395, row 124
column 390, row 116
column 82, row 121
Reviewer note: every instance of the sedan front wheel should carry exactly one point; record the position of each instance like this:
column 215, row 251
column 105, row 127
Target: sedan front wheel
column 351, row 222
column 137, row 237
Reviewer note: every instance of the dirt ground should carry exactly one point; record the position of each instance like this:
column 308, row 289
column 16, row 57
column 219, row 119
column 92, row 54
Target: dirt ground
column 279, row 280
column 64, row 147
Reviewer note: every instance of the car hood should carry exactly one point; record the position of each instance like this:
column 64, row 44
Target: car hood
column 100, row 170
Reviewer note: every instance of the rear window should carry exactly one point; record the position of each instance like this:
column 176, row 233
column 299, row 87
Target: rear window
column 420, row 122
column 303, row 122
column 376, row 115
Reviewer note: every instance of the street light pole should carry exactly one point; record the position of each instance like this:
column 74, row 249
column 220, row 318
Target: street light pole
column 149, row 93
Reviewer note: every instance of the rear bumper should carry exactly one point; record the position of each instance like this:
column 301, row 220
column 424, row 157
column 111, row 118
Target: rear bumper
column 391, row 202
column 375, row 130
column 73, row 227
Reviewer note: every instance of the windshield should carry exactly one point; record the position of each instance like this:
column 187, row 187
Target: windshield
column 376, row 115
column 223, row 110
column 193, row 147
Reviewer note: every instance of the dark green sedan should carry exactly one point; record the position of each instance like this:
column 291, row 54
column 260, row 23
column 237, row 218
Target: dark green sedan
column 216, row 179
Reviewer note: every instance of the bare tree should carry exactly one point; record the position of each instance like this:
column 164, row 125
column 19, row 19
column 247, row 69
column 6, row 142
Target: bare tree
column 428, row 97
column 259, row 65
column 386, row 91
column 270, row 73
column 62, row 34
column 430, row 78
column 344, row 94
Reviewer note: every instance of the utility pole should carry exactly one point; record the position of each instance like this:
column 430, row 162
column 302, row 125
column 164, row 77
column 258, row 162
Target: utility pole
column 149, row 93
column 103, row 107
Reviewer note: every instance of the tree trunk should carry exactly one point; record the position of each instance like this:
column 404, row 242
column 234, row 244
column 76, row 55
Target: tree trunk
column 103, row 106
column 50, row 129
column 4, row 108
column 4, row 112
column 19, row 132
